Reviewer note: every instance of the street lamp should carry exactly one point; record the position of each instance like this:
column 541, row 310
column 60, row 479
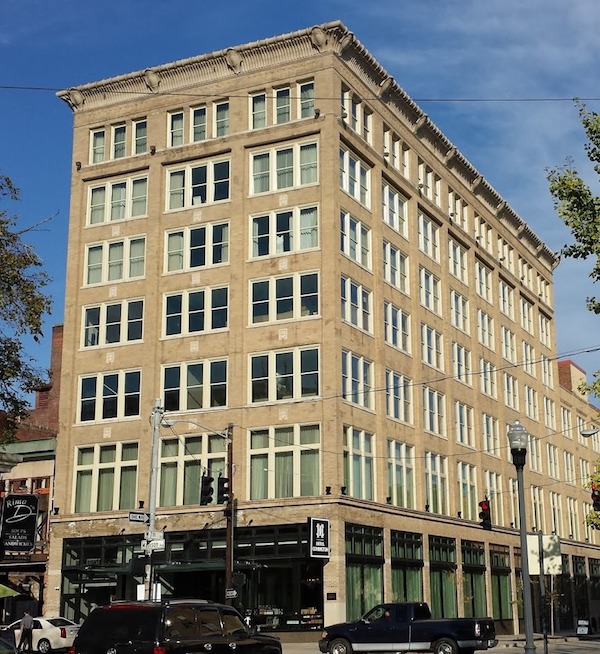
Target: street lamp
column 518, row 438
column 158, row 420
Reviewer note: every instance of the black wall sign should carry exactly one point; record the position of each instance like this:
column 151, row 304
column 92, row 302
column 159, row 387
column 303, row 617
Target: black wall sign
column 19, row 521
column 318, row 529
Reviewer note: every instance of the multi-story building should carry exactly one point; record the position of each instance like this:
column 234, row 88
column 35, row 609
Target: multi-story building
column 275, row 237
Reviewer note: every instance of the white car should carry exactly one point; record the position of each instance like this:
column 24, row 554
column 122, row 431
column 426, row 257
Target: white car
column 48, row 633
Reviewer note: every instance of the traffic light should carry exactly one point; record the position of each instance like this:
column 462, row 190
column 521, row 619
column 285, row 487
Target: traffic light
column 206, row 489
column 596, row 497
column 222, row 490
column 485, row 515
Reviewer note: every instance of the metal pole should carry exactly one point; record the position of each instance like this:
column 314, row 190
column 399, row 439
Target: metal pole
column 157, row 415
column 527, row 610
column 543, row 591
column 230, row 515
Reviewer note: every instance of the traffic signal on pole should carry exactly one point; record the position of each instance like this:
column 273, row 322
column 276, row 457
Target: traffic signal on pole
column 206, row 489
column 222, row 490
column 596, row 497
column 485, row 515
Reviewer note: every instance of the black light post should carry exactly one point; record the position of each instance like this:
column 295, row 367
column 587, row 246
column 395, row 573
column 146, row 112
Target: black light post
column 518, row 439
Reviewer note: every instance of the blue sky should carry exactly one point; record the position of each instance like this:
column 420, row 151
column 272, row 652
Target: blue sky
column 435, row 49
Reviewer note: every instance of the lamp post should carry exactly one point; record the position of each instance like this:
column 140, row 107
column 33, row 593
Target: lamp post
column 518, row 438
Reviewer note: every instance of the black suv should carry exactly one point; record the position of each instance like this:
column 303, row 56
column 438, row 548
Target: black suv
column 169, row 627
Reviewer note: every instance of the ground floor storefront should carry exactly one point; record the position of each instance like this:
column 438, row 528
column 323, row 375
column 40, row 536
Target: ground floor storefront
column 458, row 570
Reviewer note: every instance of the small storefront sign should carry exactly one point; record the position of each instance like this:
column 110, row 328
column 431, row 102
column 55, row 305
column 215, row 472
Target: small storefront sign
column 318, row 530
column 19, row 522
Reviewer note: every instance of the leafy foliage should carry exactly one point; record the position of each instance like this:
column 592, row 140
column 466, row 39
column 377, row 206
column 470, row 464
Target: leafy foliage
column 22, row 308
column 579, row 209
column 593, row 484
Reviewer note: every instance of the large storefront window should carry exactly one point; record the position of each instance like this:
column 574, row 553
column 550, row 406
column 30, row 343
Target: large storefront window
column 407, row 566
column 442, row 576
column 364, row 569
column 473, row 561
column 501, row 588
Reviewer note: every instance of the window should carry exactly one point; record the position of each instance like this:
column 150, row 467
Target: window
column 555, row 513
column 119, row 137
column 467, row 491
column 109, row 324
column 140, row 136
column 355, row 239
column 549, row 413
column 507, row 300
column 485, row 329
column 284, row 298
column 527, row 315
column 401, row 474
column 483, row 234
column 544, row 327
column 307, row 99
column 487, row 371
column 535, row 454
column 285, row 462
column 283, row 106
column 566, row 420
column 356, row 114
column 526, row 272
column 175, row 128
column 429, row 290
column 570, row 472
column 280, row 232
column 395, row 151
column 116, row 261
column 458, row 210
column 553, row 465
column 397, row 327
column 356, row 304
column 281, row 168
column 506, row 255
column 434, row 411
column 198, row 184
column 192, row 312
column 511, row 391
column 493, row 490
column 463, row 423
column 357, row 379
column 398, row 394
column 258, row 110
column 459, row 311
column 431, row 347
column 537, row 508
column 221, row 117
column 573, row 518
column 483, row 281
column 105, row 477
column 546, row 367
column 198, row 123
column 395, row 267
column 461, row 363
column 284, row 375
column 436, row 483
column 109, row 395
column 394, row 208
column 118, row 201
column 195, row 385
column 509, row 347
column 531, row 403
column 426, row 180
column 429, row 235
column 457, row 260
column 182, row 461
column 528, row 358
column 97, row 146
column 359, row 464
column 197, row 247
column 355, row 177
column 491, row 440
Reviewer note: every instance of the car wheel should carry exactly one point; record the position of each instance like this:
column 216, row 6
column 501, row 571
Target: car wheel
column 44, row 646
column 340, row 646
column 445, row 646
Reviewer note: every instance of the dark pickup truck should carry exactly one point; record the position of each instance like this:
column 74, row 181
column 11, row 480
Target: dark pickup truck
column 408, row 627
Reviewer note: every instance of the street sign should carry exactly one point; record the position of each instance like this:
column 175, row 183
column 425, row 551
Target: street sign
column 153, row 545
column 139, row 516
column 230, row 593
column 154, row 535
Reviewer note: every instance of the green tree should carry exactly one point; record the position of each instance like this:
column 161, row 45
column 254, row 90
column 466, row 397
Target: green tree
column 579, row 209
column 22, row 308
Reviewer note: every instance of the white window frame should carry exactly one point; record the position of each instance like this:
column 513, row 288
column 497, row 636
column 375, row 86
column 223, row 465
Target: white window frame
column 398, row 396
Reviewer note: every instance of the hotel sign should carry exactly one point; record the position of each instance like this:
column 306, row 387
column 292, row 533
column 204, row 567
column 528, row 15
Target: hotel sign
column 318, row 535
column 19, row 522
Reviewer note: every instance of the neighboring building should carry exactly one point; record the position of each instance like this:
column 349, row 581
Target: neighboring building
column 32, row 473
column 277, row 237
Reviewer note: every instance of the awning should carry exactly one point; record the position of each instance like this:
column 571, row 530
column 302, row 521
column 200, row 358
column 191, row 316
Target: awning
column 5, row 591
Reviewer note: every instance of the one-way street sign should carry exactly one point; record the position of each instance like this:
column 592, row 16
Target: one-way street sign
column 139, row 516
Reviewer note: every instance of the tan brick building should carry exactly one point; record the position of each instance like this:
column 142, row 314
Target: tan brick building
column 277, row 237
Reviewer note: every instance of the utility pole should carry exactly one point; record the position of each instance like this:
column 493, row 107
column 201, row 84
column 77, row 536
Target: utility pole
column 230, row 516
column 157, row 416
